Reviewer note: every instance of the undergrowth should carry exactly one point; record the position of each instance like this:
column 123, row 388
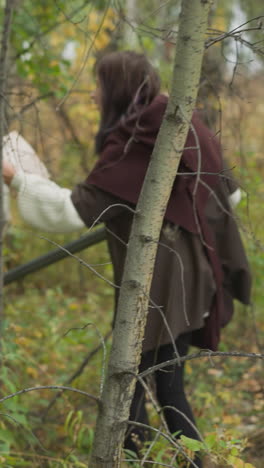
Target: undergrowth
column 56, row 317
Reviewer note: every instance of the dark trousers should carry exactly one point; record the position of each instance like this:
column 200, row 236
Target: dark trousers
column 169, row 392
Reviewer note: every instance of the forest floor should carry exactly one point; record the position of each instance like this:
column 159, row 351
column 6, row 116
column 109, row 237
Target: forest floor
column 50, row 332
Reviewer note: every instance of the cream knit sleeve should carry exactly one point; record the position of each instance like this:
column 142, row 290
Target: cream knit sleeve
column 45, row 205
column 235, row 198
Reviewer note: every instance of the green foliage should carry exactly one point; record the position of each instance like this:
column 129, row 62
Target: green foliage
column 48, row 353
column 223, row 450
column 80, row 434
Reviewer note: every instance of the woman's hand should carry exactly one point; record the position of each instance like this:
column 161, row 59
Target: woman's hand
column 8, row 172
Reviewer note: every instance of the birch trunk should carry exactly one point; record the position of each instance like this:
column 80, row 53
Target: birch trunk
column 130, row 37
column 9, row 7
column 133, row 302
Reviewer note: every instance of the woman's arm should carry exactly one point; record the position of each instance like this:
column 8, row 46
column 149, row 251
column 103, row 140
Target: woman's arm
column 48, row 207
column 234, row 198
column 231, row 185
column 42, row 203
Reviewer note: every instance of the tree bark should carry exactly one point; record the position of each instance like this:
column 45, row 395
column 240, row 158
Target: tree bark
column 9, row 7
column 134, row 294
column 130, row 37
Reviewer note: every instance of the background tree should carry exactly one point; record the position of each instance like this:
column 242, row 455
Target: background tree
column 9, row 7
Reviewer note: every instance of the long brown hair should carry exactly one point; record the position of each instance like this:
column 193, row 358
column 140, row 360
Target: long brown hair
column 128, row 81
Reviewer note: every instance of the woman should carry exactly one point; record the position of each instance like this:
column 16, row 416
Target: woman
column 191, row 295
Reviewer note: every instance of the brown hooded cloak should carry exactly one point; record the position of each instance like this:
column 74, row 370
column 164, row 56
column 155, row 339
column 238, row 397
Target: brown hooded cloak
column 196, row 275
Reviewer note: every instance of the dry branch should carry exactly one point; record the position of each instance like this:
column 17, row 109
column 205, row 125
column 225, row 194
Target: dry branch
column 49, row 387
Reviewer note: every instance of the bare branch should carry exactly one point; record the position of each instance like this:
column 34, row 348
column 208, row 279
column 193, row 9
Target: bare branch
column 28, row 106
column 114, row 205
column 50, row 387
column 236, row 35
column 102, row 345
column 81, row 261
column 176, row 410
column 168, row 438
column 76, row 374
column 24, row 428
column 148, row 462
column 201, row 354
column 87, row 54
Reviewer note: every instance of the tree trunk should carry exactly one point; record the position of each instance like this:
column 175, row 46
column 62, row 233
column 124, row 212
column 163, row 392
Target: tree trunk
column 9, row 7
column 133, row 301
column 130, row 37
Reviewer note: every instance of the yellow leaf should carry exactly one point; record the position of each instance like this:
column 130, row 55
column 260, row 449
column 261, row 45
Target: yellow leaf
column 22, row 341
column 37, row 333
column 32, row 372
column 238, row 463
column 233, row 419
column 188, row 368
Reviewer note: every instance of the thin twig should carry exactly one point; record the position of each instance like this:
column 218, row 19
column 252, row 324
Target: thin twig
column 201, row 354
column 76, row 374
column 81, row 261
column 86, row 56
column 24, row 428
column 49, row 387
column 168, row 438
